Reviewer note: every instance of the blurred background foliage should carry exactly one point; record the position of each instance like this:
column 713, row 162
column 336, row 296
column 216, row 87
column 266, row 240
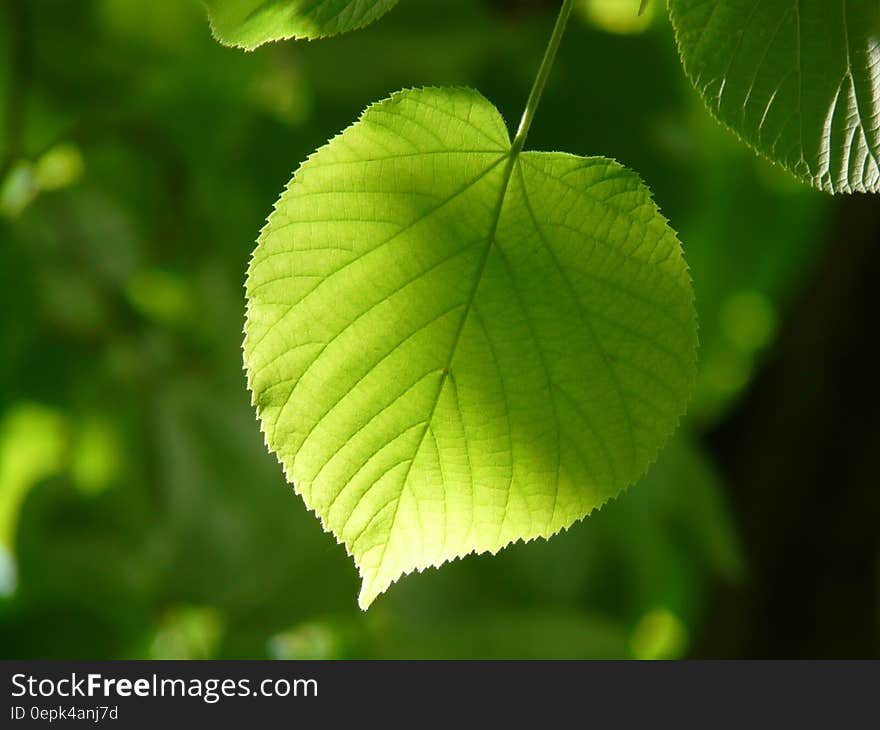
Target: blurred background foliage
column 140, row 514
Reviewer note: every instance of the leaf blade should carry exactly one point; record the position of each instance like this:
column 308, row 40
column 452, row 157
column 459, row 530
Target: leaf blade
column 447, row 398
column 798, row 81
column 249, row 24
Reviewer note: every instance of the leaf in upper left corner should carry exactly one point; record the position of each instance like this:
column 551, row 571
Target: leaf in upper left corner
column 251, row 23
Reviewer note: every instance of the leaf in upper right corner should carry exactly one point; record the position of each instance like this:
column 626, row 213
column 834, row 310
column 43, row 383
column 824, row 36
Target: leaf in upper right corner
column 251, row 23
column 799, row 80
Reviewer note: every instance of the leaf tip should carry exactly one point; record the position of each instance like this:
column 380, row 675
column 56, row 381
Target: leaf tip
column 372, row 586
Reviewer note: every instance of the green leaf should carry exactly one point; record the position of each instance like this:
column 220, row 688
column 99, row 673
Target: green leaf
column 452, row 346
column 799, row 80
column 251, row 23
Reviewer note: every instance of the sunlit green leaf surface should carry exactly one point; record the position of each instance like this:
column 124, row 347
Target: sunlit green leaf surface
column 452, row 346
column 251, row 23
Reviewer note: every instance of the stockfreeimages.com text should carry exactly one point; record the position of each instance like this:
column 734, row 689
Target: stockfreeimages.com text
column 209, row 690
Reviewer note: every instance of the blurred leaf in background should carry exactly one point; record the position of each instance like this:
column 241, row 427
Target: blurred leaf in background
column 140, row 514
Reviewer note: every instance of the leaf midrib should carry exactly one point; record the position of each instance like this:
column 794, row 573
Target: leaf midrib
column 512, row 158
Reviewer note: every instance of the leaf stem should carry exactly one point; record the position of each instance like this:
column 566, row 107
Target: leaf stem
column 543, row 73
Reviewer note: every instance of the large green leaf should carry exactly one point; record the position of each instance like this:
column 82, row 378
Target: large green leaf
column 799, row 80
column 251, row 23
column 452, row 345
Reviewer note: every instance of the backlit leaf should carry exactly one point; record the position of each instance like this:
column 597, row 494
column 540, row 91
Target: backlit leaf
column 451, row 345
column 251, row 23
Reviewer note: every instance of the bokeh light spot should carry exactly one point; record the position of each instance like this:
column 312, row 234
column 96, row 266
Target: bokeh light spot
column 188, row 632
column 749, row 320
column 308, row 641
column 660, row 634
column 617, row 16
column 32, row 447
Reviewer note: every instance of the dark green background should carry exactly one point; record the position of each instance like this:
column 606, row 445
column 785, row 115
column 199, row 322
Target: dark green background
column 140, row 514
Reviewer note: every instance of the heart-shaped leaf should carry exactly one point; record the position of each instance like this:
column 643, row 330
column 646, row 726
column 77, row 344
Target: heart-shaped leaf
column 799, row 80
column 453, row 345
column 251, row 23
